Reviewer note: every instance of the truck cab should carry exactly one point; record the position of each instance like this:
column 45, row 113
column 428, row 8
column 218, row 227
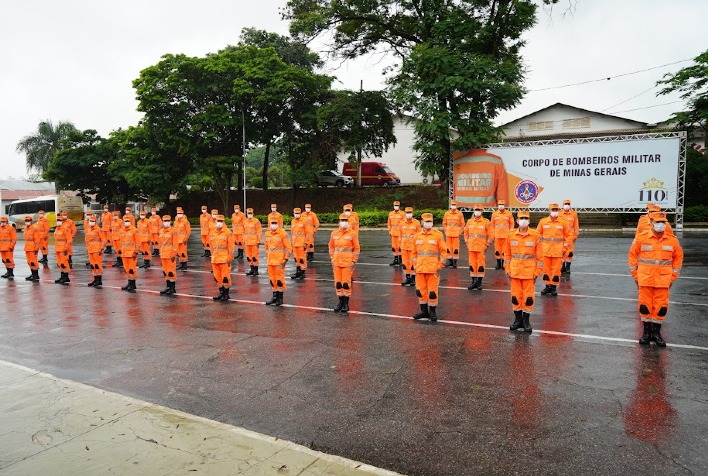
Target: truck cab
column 372, row 173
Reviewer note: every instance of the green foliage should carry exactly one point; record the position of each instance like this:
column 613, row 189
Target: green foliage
column 695, row 214
column 692, row 82
column 41, row 147
column 696, row 178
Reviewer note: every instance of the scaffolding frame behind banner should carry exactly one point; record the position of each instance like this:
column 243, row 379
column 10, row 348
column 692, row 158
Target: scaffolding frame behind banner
column 680, row 186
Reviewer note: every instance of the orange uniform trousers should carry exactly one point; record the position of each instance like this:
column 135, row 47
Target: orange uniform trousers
column 222, row 274
column 169, row 268
column 653, row 303
column 205, row 241
column 276, row 275
column 499, row 245
column 155, row 240
column 252, row 254
column 44, row 244
column 406, row 256
column 96, row 262
column 300, row 253
column 145, row 248
column 396, row 245
column 63, row 260
column 182, row 252
column 569, row 251
column 426, row 288
column 238, row 240
column 32, row 260
column 476, row 259
column 522, row 292
column 130, row 265
column 452, row 244
column 7, row 259
column 343, row 280
column 552, row 269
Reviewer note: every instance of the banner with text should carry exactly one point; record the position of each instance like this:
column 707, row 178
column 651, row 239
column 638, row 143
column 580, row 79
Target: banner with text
column 612, row 174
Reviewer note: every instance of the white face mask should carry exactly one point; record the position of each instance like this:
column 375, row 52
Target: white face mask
column 659, row 226
column 105, row 210
column 92, row 223
column 236, row 210
column 127, row 212
column 477, row 213
column 396, row 207
column 59, row 222
column 273, row 226
column 566, row 207
column 213, row 215
column 523, row 222
column 126, row 223
column 308, row 209
column 219, row 224
column 427, row 225
column 166, row 224
column 250, row 215
column 41, row 215
column 296, row 215
column 273, row 209
column 204, row 210
column 554, row 214
column 347, row 213
column 501, row 207
column 180, row 215
column 142, row 217
column 28, row 223
column 453, row 207
column 409, row 215
column 343, row 224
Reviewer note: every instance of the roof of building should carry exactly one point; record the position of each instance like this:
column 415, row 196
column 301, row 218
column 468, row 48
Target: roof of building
column 638, row 123
column 20, row 185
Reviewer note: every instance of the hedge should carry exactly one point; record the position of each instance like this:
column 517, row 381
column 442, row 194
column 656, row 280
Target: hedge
column 698, row 213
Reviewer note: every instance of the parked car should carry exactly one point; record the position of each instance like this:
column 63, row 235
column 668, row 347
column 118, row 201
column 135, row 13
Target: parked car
column 373, row 173
column 332, row 178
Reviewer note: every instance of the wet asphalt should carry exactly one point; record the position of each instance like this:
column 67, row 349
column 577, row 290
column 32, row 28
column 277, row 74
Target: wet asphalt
column 460, row 396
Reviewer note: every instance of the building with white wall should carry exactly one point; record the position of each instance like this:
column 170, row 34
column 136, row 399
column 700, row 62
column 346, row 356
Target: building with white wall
column 11, row 190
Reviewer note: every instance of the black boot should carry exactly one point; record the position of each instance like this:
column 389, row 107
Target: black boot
column 432, row 314
column 60, row 280
column 302, row 274
column 71, row 262
column 167, row 289
column 226, row 295
column 156, row 252
column 412, row 283
column 479, row 283
column 29, row 278
column 395, row 261
column 454, row 264
column 147, row 264
column 567, row 267
column 107, row 251
column 656, row 335
column 273, row 300
column 143, row 265
column 407, row 281
column 119, row 262
column 92, row 283
column 208, row 253
column 518, row 322
column 10, row 274
column 423, row 312
column 527, row 325
column 646, row 335
column 35, row 276
column 255, row 271
column 546, row 290
column 448, row 263
column 221, row 294
column 251, row 272
column 339, row 305
column 310, row 256
column 473, row 284
column 563, row 268
column 98, row 282
column 204, row 254
column 345, row 305
column 499, row 264
column 132, row 286
column 554, row 290
column 279, row 299
column 44, row 260
column 296, row 275
column 183, row 266
column 126, row 287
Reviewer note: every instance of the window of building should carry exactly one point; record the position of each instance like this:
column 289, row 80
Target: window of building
column 540, row 126
column 578, row 123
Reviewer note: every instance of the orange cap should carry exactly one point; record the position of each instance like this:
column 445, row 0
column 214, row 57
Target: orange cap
column 409, row 209
column 28, row 217
column 297, row 210
column 219, row 217
column 249, row 210
column 501, row 202
column 396, row 202
column 342, row 216
column 477, row 206
column 166, row 218
column 427, row 217
column 179, row 210
column 553, row 206
column 566, row 201
column 658, row 216
column 523, row 214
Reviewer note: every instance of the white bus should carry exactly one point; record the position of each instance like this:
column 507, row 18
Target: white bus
column 51, row 204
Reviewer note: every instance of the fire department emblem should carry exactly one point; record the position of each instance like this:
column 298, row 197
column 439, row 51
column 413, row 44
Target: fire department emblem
column 526, row 191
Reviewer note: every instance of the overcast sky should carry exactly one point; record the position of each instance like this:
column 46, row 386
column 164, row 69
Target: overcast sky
column 75, row 60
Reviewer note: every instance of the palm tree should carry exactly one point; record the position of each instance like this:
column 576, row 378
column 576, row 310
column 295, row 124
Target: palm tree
column 41, row 146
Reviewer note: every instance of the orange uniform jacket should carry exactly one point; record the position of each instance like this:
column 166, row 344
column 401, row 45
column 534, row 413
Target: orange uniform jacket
column 222, row 245
column 116, row 227
column 143, row 230
column 571, row 217
column 277, row 216
column 277, row 247
column 71, row 225
column 490, row 178
column 502, row 222
column 205, row 221
column 311, row 217
column 129, row 241
column 33, row 240
column 395, row 218
column 555, row 236
column 168, row 243
column 42, row 227
column 453, row 223
column 154, row 224
column 252, row 231
column 183, row 229
column 106, row 219
column 237, row 219
column 300, row 228
column 478, row 233
column 354, row 221
column 344, row 247
column 94, row 239
column 429, row 251
column 131, row 219
column 409, row 228
column 523, row 254
column 8, row 237
column 655, row 261
column 62, row 238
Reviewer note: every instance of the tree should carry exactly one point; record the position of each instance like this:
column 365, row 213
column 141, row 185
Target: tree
column 459, row 61
column 91, row 165
column 363, row 122
column 692, row 82
column 41, row 147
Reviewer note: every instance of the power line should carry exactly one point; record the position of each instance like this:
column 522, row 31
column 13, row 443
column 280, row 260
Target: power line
column 627, row 100
column 611, row 77
column 646, row 107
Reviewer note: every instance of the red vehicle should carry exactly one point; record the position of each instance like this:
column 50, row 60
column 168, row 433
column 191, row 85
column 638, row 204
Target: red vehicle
column 372, row 173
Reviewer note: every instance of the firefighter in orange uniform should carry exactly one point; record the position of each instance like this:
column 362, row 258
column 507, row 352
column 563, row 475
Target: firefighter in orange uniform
column 95, row 241
column 183, row 230
column 429, row 255
column 154, row 226
column 655, row 261
column 523, row 262
column 143, row 227
column 168, row 244
column 275, row 215
column 300, row 228
column 212, row 225
column 33, row 243
column 277, row 254
column 252, row 230
column 129, row 244
column 343, row 253
column 314, row 222
column 395, row 217
column 409, row 227
column 72, row 227
column 87, row 217
column 571, row 217
column 205, row 221
column 478, row 234
column 555, row 237
column 62, row 241
column 116, row 227
column 106, row 220
column 502, row 222
column 43, row 227
column 221, row 243
column 8, row 239
column 352, row 217
column 453, row 223
column 129, row 214
column 237, row 219
column 644, row 223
